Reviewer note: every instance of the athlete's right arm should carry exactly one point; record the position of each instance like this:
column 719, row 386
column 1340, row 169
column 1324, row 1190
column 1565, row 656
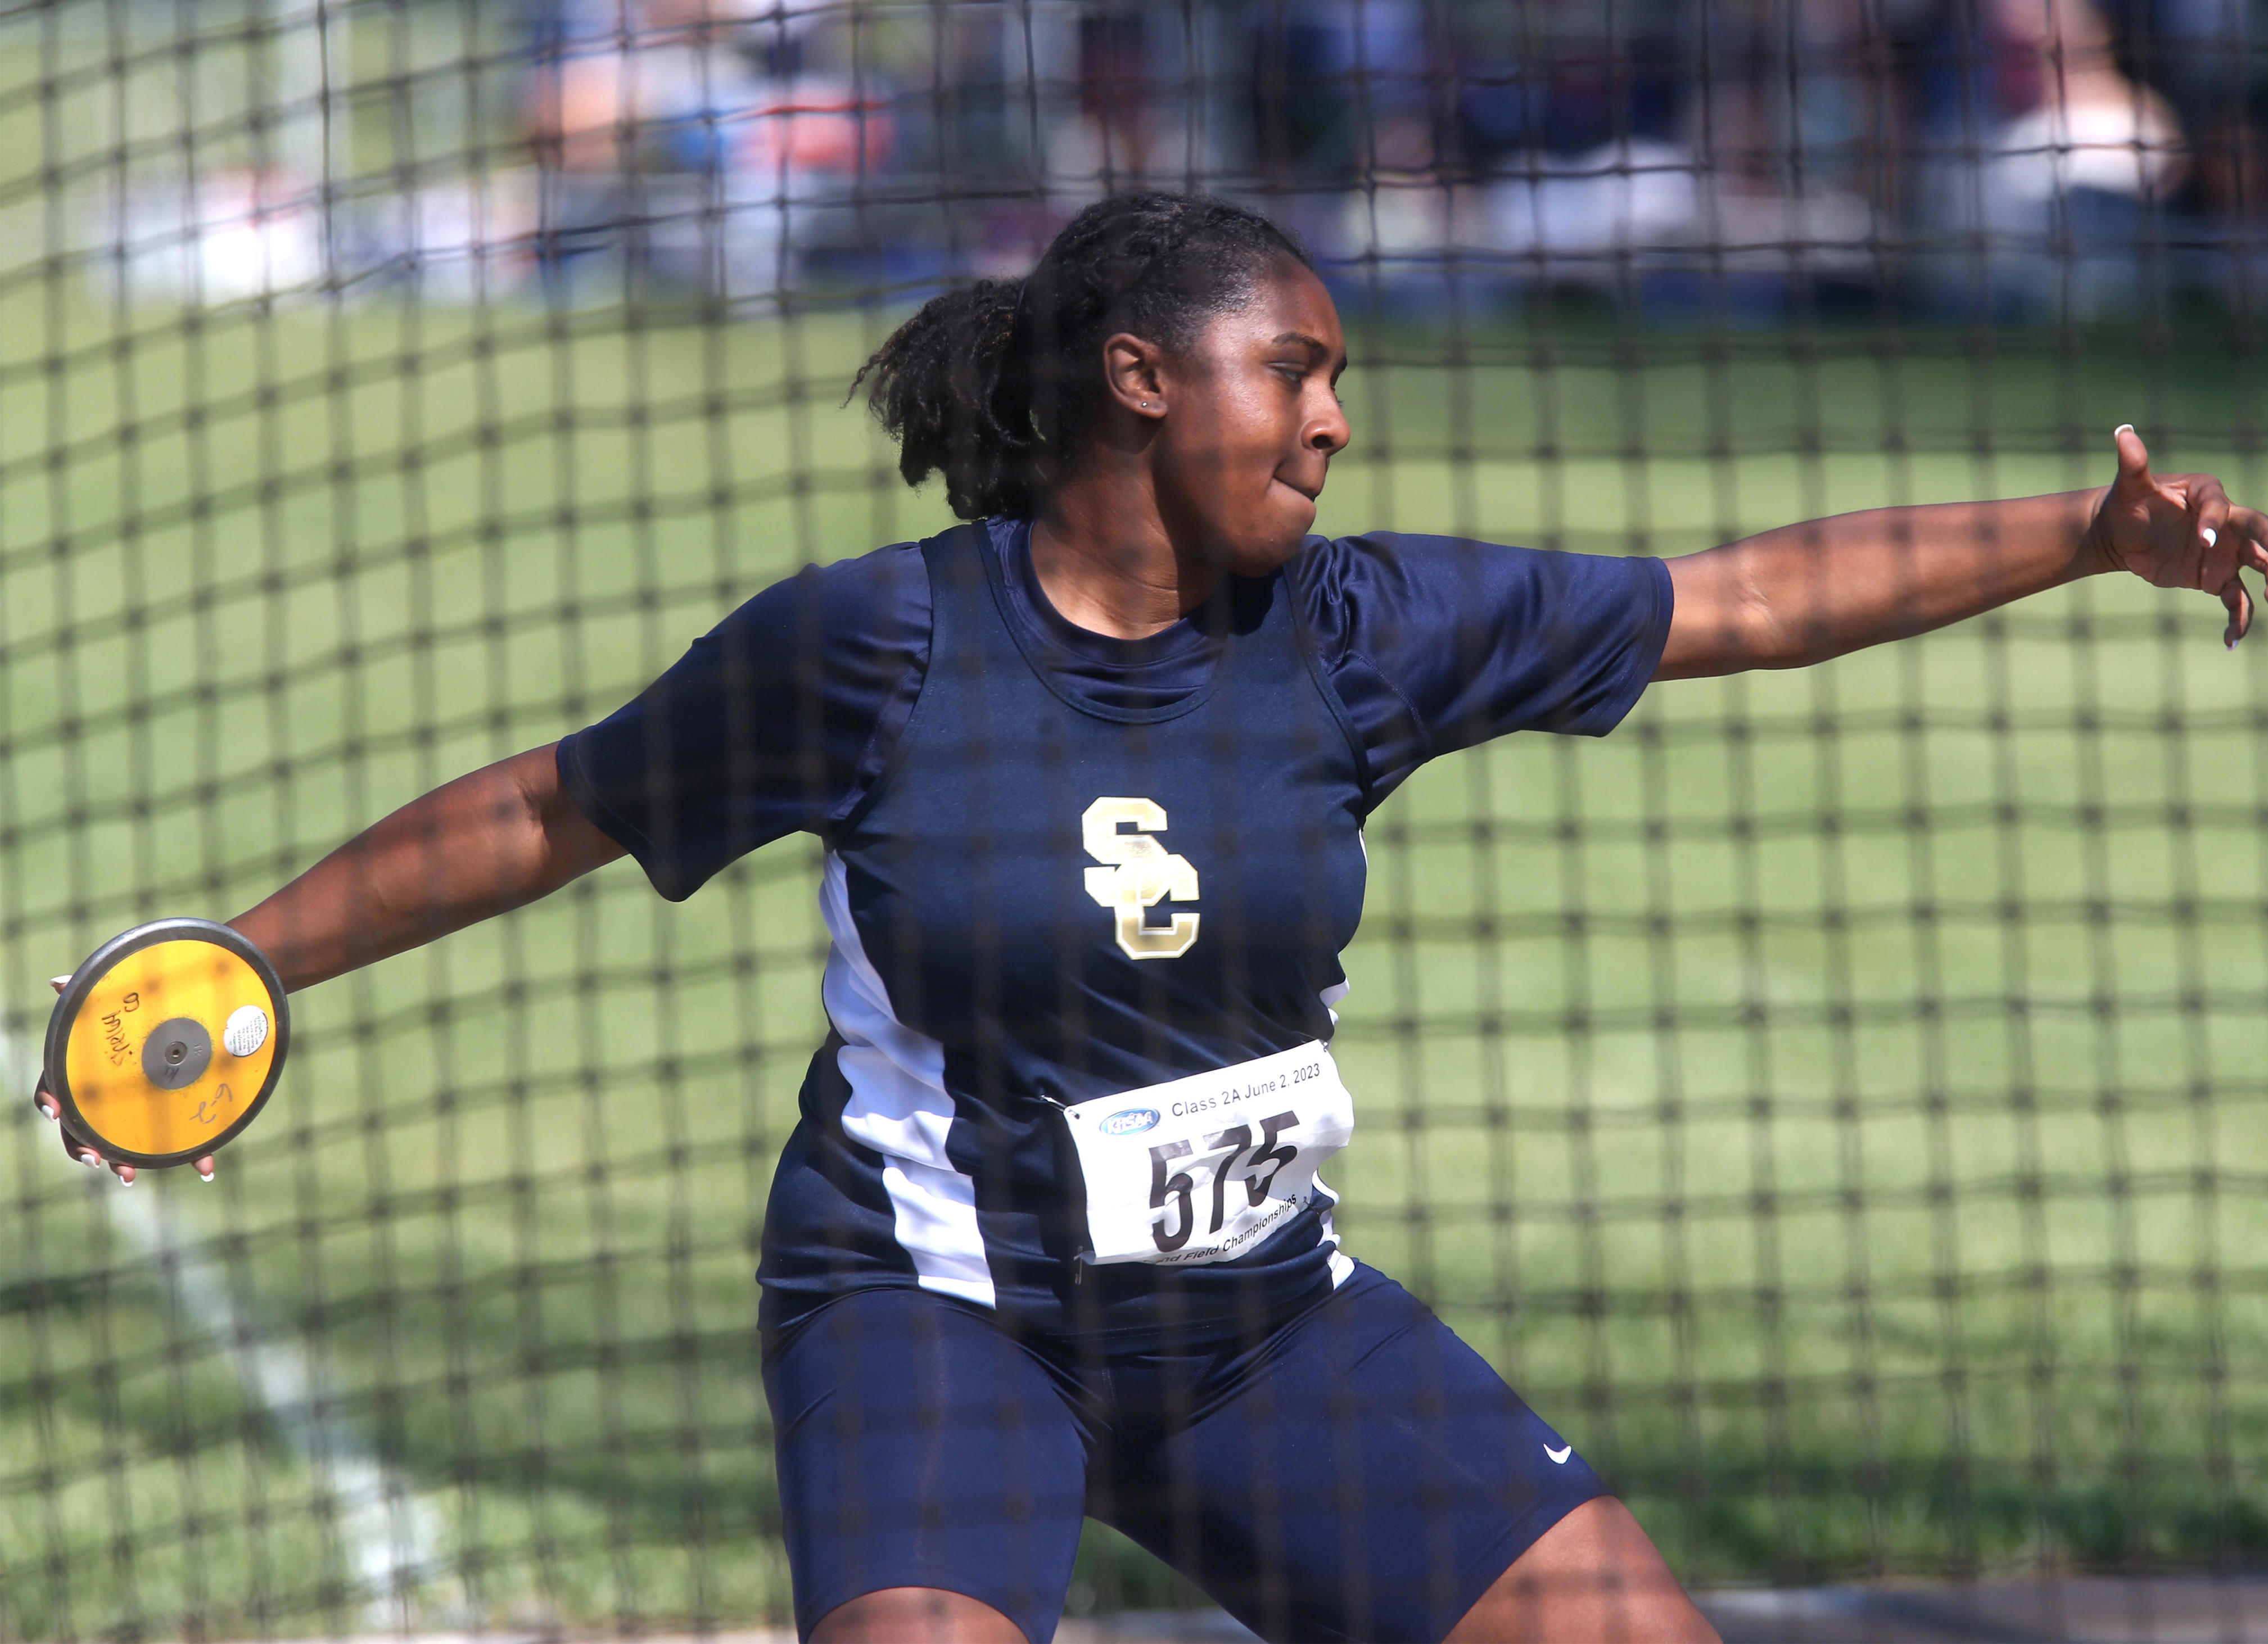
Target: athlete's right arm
column 477, row 847
column 758, row 731
column 480, row 845
column 766, row 726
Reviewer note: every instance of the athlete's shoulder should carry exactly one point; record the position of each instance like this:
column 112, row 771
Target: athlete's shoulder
column 1435, row 642
column 1424, row 585
column 1351, row 588
column 773, row 720
column 853, row 614
column 1349, row 566
column 887, row 586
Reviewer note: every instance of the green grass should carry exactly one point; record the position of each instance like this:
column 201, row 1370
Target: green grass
column 1833, row 1099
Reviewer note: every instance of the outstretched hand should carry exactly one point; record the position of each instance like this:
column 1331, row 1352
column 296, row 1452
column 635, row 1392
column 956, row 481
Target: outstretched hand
column 77, row 1149
column 2178, row 531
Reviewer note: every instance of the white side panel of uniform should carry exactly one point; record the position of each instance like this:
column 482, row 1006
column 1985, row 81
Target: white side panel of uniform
column 899, row 1107
column 1342, row 1265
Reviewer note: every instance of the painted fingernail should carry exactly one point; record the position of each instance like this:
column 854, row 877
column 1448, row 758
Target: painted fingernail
column 2209, row 535
column 126, row 1181
column 204, row 1176
column 90, row 1160
column 2123, row 428
column 46, row 1112
column 59, row 982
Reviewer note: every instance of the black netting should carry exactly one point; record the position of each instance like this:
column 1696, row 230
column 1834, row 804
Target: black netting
column 1834, row 1098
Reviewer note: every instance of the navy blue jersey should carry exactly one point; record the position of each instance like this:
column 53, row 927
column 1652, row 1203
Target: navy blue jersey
column 1061, row 867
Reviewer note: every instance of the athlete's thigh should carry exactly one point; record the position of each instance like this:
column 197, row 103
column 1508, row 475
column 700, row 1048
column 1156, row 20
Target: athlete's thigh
column 1366, row 1476
column 919, row 1446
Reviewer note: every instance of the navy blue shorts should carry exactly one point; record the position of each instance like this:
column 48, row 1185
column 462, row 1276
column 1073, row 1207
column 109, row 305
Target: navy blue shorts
column 1357, row 1472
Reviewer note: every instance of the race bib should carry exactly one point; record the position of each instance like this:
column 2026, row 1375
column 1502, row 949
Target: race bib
column 1204, row 1168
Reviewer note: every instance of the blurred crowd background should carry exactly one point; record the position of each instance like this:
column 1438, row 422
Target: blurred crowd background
column 2014, row 158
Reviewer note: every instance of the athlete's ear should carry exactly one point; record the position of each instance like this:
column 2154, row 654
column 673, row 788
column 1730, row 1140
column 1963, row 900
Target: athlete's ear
column 1134, row 374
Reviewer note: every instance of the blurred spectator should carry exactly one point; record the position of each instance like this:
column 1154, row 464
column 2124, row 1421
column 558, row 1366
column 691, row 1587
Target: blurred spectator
column 1114, row 98
column 582, row 127
column 1303, row 122
column 2201, row 54
column 2092, row 130
column 1136, row 116
column 1565, row 76
column 675, row 134
column 1346, row 86
column 623, row 86
column 2069, row 187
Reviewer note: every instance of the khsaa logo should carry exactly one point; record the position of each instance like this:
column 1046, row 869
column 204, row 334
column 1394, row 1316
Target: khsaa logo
column 1128, row 1121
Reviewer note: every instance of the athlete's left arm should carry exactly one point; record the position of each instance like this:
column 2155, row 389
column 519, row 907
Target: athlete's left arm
column 1790, row 597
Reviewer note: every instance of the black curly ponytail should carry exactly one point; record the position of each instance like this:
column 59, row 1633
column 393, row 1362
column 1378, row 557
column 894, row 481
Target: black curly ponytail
column 994, row 385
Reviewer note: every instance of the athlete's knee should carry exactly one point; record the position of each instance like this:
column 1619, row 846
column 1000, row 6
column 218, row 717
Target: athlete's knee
column 1642, row 1615
column 916, row 1615
column 1583, row 1610
column 1593, row 1578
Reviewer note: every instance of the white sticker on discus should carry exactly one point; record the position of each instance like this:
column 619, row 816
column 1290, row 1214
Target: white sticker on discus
column 246, row 1030
column 1204, row 1168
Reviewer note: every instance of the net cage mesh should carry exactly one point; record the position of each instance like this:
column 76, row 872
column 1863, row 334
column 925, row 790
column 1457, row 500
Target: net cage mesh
column 1834, row 1099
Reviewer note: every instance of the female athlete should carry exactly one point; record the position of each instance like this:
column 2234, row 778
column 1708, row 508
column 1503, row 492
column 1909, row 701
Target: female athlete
column 1092, row 771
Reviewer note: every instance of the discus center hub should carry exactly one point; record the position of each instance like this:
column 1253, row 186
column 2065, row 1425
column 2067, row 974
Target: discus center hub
column 176, row 1053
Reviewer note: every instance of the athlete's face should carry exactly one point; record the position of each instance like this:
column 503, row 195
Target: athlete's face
column 1252, row 421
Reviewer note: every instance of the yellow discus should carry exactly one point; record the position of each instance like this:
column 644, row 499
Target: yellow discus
column 166, row 1041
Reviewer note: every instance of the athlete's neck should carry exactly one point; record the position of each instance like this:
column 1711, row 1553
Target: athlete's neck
column 1108, row 563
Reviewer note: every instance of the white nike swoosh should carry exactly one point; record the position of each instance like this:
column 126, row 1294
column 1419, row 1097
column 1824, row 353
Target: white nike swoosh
column 1561, row 1454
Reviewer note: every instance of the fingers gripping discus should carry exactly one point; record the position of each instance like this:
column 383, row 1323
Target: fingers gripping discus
column 166, row 1042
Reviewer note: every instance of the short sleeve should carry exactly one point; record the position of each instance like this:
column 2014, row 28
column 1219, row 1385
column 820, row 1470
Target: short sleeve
column 774, row 723
column 1436, row 643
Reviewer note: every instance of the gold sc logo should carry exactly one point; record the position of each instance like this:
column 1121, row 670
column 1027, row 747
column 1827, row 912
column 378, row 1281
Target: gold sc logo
column 1138, row 874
